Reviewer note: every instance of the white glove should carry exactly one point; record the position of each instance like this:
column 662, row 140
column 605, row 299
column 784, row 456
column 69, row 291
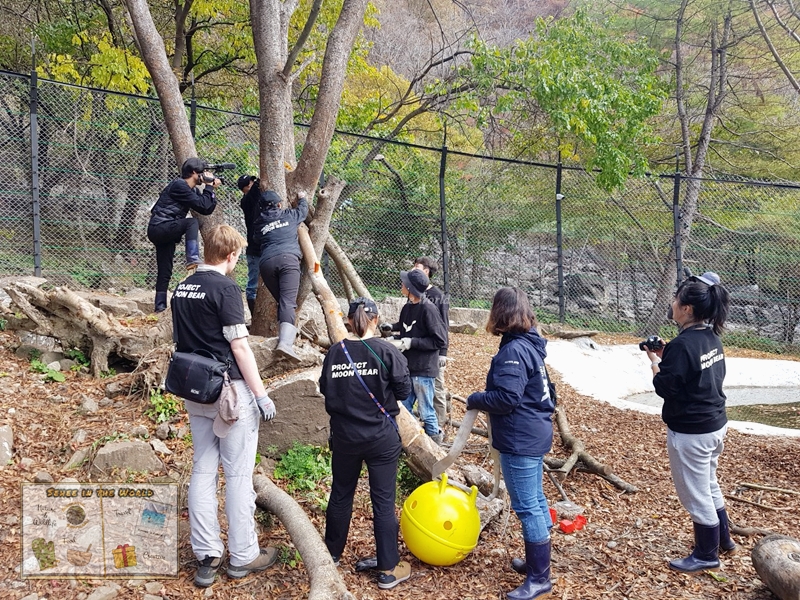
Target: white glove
column 405, row 344
column 266, row 407
column 442, row 361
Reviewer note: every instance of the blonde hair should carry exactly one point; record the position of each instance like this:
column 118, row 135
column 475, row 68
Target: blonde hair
column 219, row 242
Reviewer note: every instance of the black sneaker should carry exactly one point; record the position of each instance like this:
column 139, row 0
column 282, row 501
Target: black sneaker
column 207, row 570
column 335, row 560
column 388, row 579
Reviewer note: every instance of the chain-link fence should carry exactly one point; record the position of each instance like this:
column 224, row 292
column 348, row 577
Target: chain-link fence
column 81, row 168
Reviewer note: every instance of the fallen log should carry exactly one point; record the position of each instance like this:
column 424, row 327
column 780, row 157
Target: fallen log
column 326, row 583
column 776, row 559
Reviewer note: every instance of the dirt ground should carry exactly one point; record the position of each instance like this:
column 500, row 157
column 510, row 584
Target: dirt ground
column 622, row 552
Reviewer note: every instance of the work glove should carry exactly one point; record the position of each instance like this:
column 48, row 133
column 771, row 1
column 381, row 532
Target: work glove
column 470, row 397
column 442, row 361
column 405, row 344
column 266, row 407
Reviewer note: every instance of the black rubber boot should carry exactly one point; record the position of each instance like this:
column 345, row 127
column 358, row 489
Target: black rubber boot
column 192, row 253
column 537, row 582
column 251, row 304
column 705, row 555
column 161, row 302
column 726, row 544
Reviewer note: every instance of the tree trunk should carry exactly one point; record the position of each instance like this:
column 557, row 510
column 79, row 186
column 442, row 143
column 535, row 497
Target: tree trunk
column 776, row 559
column 326, row 583
column 346, row 267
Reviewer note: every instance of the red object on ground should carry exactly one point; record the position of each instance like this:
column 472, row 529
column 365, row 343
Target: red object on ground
column 580, row 521
column 553, row 516
column 567, row 526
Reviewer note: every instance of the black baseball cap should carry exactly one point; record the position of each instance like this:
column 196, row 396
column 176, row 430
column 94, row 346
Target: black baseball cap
column 369, row 306
column 244, row 181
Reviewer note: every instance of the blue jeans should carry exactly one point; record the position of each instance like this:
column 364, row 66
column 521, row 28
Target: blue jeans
column 523, row 477
column 423, row 391
column 252, row 277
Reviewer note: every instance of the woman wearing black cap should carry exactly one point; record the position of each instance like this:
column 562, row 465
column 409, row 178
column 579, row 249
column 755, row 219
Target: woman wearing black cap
column 363, row 378
column 168, row 222
column 276, row 234
column 688, row 373
column 248, row 185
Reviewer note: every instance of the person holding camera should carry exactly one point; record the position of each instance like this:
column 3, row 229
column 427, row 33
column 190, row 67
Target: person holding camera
column 441, row 302
column 688, row 373
column 520, row 408
column 193, row 190
column 208, row 314
column 279, row 264
column 363, row 378
column 248, row 185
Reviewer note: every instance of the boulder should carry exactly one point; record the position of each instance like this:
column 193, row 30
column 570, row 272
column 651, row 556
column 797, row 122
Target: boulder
column 144, row 299
column 587, row 290
column 6, row 445
column 389, row 308
column 477, row 316
column 5, row 299
column 39, row 344
column 271, row 364
column 467, row 328
column 132, row 456
column 300, row 415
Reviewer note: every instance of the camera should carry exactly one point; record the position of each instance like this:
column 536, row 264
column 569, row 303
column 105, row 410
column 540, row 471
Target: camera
column 652, row 343
column 216, row 168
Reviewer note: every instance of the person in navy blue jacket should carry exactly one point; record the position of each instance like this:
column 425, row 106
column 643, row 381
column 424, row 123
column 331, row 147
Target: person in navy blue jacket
column 276, row 235
column 520, row 408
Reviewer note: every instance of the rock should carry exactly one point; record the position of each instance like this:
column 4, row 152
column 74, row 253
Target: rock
column 132, row 456
column 468, row 328
column 77, row 459
column 588, row 290
column 6, row 445
column 152, row 597
column 160, row 446
column 140, row 431
column 389, row 308
column 79, row 437
column 33, row 596
column 478, row 316
column 153, row 587
column 144, row 299
column 116, row 305
column 209, row 593
column 5, row 299
column 183, row 431
column 116, row 388
column 300, row 416
column 162, row 431
column 38, row 344
column 106, row 592
column 54, row 366
column 66, row 364
column 270, row 364
column 105, row 402
column 88, row 406
column 26, row 463
column 50, row 357
column 43, row 477
column 612, row 544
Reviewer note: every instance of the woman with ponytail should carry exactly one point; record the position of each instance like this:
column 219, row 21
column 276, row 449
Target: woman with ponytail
column 688, row 373
column 363, row 377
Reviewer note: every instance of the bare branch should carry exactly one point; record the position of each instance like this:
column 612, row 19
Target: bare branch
column 301, row 40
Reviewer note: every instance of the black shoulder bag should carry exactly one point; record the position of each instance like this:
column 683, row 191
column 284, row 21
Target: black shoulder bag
column 197, row 376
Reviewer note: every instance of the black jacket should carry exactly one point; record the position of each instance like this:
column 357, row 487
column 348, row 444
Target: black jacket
column 177, row 199
column 249, row 204
column 356, row 421
column 690, row 380
column 440, row 301
column 276, row 230
column 517, row 396
column 422, row 323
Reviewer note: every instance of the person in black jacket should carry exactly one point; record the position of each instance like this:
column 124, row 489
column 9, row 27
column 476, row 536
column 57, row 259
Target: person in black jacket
column 688, row 373
column 442, row 303
column 249, row 205
column 520, row 408
column 421, row 335
column 363, row 377
column 276, row 234
column 168, row 222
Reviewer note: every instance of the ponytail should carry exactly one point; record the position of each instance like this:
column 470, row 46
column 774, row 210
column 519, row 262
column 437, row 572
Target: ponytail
column 360, row 321
column 719, row 302
column 709, row 303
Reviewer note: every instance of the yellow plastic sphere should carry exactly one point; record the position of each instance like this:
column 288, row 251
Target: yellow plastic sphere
column 440, row 523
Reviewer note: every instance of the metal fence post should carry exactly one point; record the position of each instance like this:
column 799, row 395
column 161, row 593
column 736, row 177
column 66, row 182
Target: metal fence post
column 33, row 107
column 443, row 223
column 562, row 300
column 676, row 225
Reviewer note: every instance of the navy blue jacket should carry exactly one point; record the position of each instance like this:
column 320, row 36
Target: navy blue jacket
column 276, row 230
column 517, row 396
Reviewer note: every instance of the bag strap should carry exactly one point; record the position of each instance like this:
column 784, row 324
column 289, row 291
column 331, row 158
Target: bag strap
column 209, row 354
column 366, row 388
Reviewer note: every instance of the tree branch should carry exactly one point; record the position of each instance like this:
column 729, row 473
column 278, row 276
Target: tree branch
column 301, row 40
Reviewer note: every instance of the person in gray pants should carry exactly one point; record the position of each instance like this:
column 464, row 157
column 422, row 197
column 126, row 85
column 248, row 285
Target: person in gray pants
column 688, row 373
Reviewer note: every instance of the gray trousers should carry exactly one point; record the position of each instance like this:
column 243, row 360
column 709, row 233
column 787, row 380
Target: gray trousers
column 440, row 399
column 693, row 462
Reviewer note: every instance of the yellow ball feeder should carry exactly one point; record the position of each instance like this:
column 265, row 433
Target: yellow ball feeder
column 440, row 523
